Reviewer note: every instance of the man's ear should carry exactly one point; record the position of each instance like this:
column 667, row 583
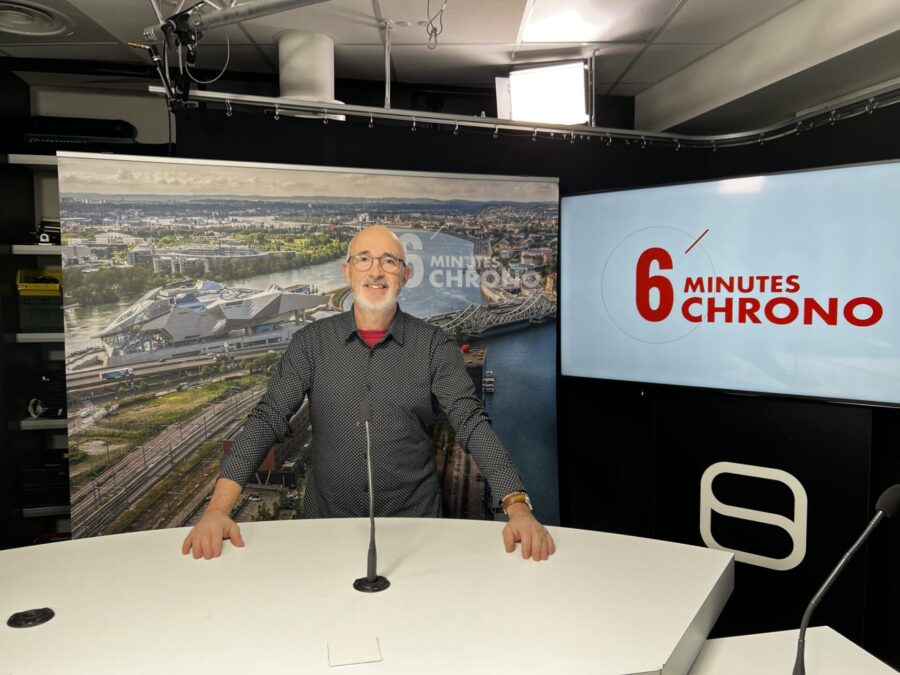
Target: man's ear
column 407, row 273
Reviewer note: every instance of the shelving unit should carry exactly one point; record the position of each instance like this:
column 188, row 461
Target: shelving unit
column 36, row 249
column 45, row 511
column 33, row 162
column 34, row 451
column 40, row 337
column 32, row 424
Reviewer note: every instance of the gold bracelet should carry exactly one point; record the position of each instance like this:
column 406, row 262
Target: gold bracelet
column 517, row 497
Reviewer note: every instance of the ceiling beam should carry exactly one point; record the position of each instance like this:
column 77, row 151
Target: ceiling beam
column 793, row 41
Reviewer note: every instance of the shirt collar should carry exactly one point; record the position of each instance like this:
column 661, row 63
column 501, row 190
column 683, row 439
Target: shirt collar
column 396, row 329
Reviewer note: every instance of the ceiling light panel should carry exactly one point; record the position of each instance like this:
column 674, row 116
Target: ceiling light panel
column 611, row 62
column 550, row 94
column 594, row 20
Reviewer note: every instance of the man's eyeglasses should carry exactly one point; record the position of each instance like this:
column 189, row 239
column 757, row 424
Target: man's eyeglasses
column 364, row 261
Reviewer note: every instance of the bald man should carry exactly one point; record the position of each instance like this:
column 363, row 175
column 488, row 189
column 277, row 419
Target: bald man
column 406, row 370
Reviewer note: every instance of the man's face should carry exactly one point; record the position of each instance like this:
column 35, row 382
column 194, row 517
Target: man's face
column 376, row 289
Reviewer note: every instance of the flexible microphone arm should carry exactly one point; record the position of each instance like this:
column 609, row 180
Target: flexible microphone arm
column 371, row 583
column 373, row 555
column 887, row 505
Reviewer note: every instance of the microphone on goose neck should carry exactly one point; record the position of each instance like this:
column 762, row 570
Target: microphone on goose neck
column 371, row 583
column 887, row 505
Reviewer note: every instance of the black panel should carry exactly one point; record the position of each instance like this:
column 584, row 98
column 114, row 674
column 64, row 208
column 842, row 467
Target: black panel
column 826, row 447
column 15, row 109
column 16, row 219
column 605, row 451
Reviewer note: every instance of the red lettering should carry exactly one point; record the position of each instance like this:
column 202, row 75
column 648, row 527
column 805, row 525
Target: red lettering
column 647, row 282
column 793, row 283
column 686, row 305
column 793, row 311
column 724, row 284
column 712, row 310
column 747, row 309
column 829, row 316
column 745, row 287
column 694, row 285
column 871, row 303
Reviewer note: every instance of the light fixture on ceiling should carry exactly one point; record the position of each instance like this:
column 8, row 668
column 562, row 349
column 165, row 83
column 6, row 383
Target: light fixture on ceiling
column 32, row 20
column 578, row 22
column 548, row 94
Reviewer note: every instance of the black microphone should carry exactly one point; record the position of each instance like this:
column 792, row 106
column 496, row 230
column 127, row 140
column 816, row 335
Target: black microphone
column 371, row 583
column 887, row 505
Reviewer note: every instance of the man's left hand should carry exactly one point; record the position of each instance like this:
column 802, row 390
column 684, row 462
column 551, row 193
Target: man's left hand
column 524, row 528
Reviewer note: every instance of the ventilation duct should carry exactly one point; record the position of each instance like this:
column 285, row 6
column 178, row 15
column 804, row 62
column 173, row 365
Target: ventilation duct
column 306, row 67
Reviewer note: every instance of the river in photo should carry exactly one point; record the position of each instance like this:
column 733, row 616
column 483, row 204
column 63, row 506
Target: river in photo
column 523, row 407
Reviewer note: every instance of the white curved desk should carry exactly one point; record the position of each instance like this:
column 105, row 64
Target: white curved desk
column 604, row 604
column 827, row 653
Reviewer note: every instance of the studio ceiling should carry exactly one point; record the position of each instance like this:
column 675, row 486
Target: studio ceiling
column 706, row 66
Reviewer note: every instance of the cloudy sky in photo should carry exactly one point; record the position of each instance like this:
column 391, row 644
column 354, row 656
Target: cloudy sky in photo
column 127, row 176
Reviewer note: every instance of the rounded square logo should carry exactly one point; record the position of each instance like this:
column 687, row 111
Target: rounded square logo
column 794, row 527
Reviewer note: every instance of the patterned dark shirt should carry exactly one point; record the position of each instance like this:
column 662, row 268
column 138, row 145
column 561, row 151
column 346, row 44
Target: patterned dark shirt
column 414, row 372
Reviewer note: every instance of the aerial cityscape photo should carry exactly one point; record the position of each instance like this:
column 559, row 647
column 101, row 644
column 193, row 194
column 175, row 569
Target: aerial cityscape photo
column 184, row 282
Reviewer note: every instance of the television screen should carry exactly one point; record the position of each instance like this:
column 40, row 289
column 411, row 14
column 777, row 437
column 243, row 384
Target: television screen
column 784, row 284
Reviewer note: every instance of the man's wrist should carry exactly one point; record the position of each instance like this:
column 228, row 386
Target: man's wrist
column 517, row 497
column 518, row 509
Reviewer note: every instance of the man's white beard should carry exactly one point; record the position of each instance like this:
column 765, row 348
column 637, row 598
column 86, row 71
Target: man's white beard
column 386, row 305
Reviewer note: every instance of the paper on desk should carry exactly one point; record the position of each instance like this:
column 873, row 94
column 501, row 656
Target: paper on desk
column 345, row 651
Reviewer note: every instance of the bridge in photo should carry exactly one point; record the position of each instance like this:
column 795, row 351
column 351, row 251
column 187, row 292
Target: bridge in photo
column 477, row 319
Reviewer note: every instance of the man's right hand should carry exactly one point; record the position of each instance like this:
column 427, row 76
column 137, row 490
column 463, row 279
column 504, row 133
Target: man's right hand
column 206, row 537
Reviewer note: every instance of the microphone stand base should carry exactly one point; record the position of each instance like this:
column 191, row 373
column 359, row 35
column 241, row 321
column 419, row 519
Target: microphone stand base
column 365, row 586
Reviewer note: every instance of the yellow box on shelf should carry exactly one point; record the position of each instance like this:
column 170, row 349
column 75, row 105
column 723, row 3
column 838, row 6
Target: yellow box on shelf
column 44, row 282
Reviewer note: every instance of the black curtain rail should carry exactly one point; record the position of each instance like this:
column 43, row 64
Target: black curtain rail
column 286, row 107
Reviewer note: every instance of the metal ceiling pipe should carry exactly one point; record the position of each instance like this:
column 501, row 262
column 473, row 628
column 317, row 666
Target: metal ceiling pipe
column 204, row 21
column 387, row 64
column 306, row 66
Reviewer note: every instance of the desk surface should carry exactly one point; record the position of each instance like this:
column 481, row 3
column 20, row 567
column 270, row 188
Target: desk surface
column 827, row 653
column 604, row 604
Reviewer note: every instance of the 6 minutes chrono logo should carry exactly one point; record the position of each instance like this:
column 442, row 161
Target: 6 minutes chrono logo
column 659, row 285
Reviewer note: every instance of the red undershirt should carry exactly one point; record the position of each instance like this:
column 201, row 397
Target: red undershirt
column 372, row 337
